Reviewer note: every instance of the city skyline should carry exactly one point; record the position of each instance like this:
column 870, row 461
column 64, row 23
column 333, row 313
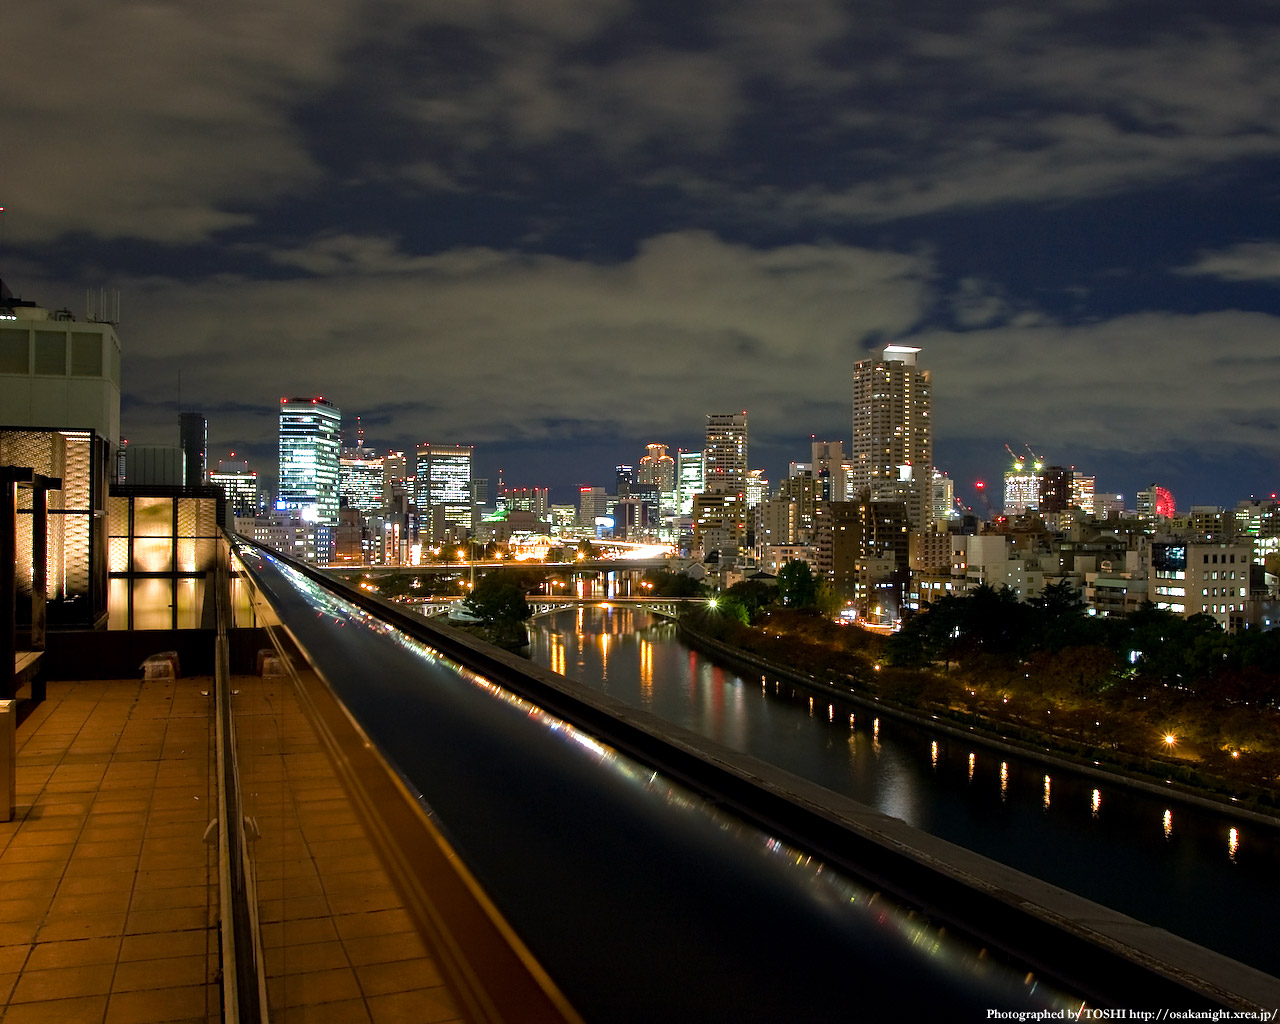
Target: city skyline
column 561, row 232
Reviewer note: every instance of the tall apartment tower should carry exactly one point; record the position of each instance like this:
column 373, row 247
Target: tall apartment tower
column 724, row 458
column 657, row 469
column 892, row 458
column 310, row 440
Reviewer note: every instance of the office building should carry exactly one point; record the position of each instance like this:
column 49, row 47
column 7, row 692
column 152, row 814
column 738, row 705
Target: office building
column 193, row 432
column 689, row 480
column 239, row 485
column 1022, row 483
column 310, row 431
column 443, row 492
column 360, row 481
column 892, row 448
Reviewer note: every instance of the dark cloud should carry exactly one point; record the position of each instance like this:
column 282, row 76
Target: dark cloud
column 519, row 223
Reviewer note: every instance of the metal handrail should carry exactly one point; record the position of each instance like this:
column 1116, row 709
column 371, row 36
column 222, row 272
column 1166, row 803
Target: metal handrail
column 243, row 978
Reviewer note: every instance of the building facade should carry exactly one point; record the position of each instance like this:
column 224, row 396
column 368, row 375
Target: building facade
column 724, row 459
column 443, row 491
column 310, row 430
column 892, row 447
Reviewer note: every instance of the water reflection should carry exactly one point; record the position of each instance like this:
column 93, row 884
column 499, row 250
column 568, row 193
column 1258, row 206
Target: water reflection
column 1029, row 820
column 646, row 671
column 1233, row 844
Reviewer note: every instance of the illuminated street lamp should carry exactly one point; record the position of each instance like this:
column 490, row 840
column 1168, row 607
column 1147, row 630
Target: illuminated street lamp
column 1170, row 739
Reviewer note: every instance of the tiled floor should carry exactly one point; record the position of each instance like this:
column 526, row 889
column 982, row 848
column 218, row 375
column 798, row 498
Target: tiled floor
column 106, row 912
column 338, row 945
column 107, row 904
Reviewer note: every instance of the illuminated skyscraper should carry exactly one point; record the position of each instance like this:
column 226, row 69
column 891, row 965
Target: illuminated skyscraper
column 360, row 488
column 239, row 484
column 689, row 480
column 444, row 490
column 892, row 457
column 657, row 469
column 1022, row 486
column 724, row 459
column 310, row 430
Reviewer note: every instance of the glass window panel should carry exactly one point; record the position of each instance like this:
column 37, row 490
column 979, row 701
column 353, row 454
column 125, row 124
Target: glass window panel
column 152, row 554
column 186, row 554
column 51, row 353
column 14, row 351
column 117, row 604
column 206, row 554
column 153, row 604
column 117, row 554
column 117, row 516
column 153, row 517
column 86, row 355
column 190, row 603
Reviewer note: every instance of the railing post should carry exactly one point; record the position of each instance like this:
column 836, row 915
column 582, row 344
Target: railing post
column 8, row 577
column 8, row 758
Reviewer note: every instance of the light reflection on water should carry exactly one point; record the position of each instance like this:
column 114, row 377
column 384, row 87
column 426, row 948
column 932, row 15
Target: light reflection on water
column 1107, row 843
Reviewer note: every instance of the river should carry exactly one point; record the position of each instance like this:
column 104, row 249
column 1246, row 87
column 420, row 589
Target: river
column 1205, row 875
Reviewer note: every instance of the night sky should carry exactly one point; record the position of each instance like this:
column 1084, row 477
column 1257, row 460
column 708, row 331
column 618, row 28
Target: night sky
column 561, row 229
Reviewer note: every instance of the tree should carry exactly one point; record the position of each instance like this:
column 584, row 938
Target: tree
column 672, row 584
column 797, row 587
column 498, row 602
column 753, row 594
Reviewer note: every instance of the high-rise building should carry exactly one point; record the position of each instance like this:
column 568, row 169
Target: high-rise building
column 943, row 502
column 360, row 480
column 1022, row 482
column 593, row 504
column 193, row 431
column 444, row 490
column 892, row 458
column 724, row 459
column 1056, row 492
column 657, row 469
column 689, row 480
column 240, row 485
column 829, row 469
column 1082, row 492
column 310, row 431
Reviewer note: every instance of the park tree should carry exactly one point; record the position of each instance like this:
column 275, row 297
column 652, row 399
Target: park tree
column 797, row 587
column 501, row 607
